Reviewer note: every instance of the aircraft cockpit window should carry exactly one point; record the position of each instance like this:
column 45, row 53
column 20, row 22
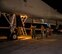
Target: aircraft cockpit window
column 25, row 0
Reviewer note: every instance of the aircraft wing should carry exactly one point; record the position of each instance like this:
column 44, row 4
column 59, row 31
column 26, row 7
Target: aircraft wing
column 36, row 8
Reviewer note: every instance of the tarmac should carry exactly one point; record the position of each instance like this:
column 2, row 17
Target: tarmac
column 27, row 45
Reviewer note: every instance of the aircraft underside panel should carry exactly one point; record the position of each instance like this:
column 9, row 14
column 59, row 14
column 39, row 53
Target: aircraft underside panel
column 34, row 7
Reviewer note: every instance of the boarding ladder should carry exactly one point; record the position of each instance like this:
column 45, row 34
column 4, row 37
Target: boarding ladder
column 23, row 20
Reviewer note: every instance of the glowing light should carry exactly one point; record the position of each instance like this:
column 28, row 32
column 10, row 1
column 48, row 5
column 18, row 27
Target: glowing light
column 24, row 16
column 24, row 37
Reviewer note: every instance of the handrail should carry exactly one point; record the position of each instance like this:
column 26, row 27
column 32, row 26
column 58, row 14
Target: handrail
column 4, row 27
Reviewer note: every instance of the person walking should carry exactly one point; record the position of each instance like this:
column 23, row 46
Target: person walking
column 33, row 32
column 42, row 31
column 48, row 31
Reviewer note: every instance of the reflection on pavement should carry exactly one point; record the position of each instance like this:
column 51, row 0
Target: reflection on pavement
column 24, row 37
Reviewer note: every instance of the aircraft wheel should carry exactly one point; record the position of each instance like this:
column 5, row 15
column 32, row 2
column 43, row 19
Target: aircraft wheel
column 14, row 37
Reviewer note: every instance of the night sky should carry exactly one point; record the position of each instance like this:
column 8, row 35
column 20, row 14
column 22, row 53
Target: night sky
column 56, row 4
